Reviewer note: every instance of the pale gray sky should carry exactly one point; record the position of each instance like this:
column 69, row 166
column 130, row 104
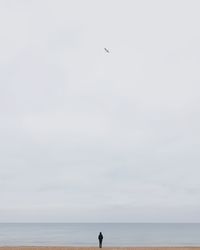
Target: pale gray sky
column 87, row 136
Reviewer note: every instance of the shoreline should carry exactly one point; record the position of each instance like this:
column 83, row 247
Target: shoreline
column 96, row 248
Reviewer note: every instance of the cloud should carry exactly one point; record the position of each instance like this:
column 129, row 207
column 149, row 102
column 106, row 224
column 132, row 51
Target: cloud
column 89, row 136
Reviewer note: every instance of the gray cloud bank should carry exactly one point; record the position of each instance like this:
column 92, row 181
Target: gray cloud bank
column 90, row 136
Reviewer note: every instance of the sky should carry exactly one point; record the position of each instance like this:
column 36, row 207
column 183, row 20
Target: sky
column 91, row 136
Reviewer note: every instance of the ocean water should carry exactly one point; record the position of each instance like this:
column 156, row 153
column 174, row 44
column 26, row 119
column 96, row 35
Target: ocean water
column 85, row 234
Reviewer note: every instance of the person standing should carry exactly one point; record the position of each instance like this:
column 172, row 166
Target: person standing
column 100, row 237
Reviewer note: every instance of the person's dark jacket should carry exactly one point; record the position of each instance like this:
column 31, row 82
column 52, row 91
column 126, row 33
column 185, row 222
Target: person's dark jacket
column 100, row 237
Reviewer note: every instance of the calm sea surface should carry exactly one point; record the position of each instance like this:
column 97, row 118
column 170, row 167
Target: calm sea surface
column 85, row 234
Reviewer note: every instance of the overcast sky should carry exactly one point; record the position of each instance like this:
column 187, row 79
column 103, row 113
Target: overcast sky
column 90, row 136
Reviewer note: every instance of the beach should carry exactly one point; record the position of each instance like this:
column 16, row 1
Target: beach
column 96, row 248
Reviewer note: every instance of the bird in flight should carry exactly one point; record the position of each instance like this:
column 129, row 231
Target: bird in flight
column 107, row 50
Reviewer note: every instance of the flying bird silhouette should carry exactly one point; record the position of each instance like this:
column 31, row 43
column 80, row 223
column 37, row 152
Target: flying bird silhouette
column 107, row 50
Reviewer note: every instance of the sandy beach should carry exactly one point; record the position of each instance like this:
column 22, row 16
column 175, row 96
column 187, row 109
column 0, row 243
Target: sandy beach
column 96, row 248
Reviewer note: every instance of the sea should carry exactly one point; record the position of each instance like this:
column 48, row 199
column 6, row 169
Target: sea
column 85, row 234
